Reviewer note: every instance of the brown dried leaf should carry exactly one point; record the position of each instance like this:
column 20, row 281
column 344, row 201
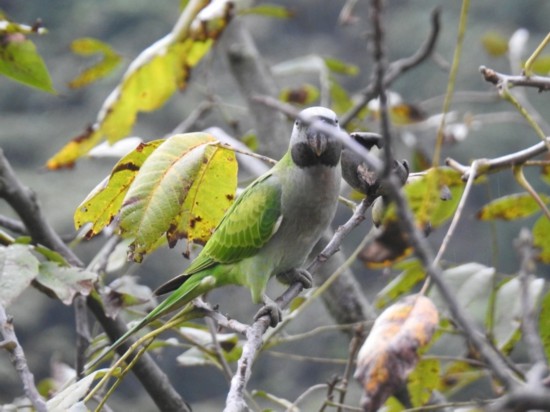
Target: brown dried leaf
column 390, row 352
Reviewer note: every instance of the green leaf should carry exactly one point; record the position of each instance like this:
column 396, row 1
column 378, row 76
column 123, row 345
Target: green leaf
column 211, row 194
column 182, row 189
column 541, row 238
column 433, row 197
column 423, row 380
column 341, row 67
column 494, row 43
column 471, row 284
column 413, row 272
column 270, row 10
column 65, row 282
column 544, row 323
column 507, row 319
column 303, row 95
column 511, row 207
column 88, row 46
column 18, row 267
column 20, row 61
column 541, row 65
column 103, row 203
column 458, row 375
column 341, row 101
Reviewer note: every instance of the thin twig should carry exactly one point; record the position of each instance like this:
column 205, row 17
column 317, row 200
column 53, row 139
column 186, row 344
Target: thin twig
column 524, row 246
column 17, row 357
column 542, row 83
column 458, row 213
column 305, row 394
column 354, row 347
column 397, row 68
column 452, row 80
column 226, row 369
column 504, row 162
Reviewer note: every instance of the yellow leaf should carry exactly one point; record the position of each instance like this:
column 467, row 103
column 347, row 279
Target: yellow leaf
column 209, row 197
column 494, row 43
column 152, row 77
column 103, row 203
column 88, row 46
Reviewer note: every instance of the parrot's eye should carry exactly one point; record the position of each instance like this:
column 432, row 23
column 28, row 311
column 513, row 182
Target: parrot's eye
column 297, row 123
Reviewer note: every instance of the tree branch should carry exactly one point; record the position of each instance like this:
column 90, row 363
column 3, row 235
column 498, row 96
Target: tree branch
column 524, row 246
column 485, row 166
column 397, row 68
column 253, row 77
column 17, row 357
column 541, row 83
column 24, row 203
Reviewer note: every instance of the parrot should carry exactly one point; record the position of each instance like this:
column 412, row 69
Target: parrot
column 271, row 227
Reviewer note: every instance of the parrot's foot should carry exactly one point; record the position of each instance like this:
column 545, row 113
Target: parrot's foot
column 296, row 275
column 270, row 309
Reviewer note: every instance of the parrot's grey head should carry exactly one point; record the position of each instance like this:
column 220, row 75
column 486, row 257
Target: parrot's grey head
column 311, row 147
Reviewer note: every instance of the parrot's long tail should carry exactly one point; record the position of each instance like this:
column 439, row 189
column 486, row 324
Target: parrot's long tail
column 193, row 287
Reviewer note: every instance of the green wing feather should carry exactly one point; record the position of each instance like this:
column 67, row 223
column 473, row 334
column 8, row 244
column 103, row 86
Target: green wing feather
column 246, row 227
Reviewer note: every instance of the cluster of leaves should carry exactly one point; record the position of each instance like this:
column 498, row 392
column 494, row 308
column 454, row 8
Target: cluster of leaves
column 178, row 188
column 168, row 189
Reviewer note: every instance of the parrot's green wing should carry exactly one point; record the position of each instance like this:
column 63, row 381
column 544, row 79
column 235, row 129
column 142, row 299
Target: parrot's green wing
column 246, row 227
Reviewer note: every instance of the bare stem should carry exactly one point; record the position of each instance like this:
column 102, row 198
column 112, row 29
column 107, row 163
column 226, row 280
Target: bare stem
column 17, row 357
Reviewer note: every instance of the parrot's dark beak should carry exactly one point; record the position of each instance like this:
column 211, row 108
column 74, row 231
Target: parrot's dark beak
column 317, row 141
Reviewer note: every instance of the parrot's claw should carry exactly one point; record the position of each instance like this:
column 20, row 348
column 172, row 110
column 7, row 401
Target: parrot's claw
column 270, row 309
column 296, row 275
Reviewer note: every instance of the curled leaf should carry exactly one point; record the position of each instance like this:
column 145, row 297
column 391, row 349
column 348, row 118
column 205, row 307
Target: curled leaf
column 390, row 352
column 109, row 61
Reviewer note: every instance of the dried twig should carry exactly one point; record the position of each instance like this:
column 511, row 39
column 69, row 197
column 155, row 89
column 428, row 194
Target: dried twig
column 485, row 166
column 17, row 357
column 542, row 83
column 397, row 68
column 524, row 246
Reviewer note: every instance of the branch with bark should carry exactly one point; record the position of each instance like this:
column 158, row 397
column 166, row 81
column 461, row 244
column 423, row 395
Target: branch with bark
column 25, row 204
column 17, row 357
column 542, row 83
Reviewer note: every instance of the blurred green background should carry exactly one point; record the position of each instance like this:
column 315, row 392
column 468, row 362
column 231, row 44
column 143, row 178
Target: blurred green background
column 34, row 125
